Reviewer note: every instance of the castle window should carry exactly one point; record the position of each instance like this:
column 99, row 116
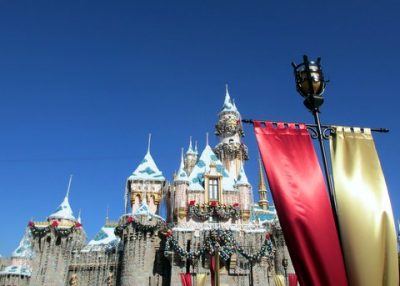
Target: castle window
column 213, row 189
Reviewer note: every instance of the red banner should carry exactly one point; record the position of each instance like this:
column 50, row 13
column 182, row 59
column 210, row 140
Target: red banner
column 292, row 279
column 212, row 269
column 302, row 203
column 186, row 279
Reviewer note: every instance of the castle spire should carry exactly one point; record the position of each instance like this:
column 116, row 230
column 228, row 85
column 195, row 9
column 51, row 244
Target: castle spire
column 181, row 176
column 261, row 182
column 190, row 148
column 148, row 144
column 191, row 157
column 182, row 165
column 227, row 96
column 262, row 188
column 69, row 186
column 79, row 217
column 64, row 211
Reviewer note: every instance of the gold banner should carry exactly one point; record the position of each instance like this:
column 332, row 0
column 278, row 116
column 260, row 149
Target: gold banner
column 279, row 280
column 365, row 215
column 201, row 279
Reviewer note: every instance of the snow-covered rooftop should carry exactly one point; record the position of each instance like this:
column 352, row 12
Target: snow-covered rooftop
column 64, row 211
column 229, row 105
column 190, row 149
column 181, row 176
column 24, row 249
column 17, row 270
column 147, row 170
column 196, row 177
column 261, row 215
column 144, row 210
column 242, row 178
column 104, row 239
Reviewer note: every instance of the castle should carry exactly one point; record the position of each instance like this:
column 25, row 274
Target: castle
column 213, row 230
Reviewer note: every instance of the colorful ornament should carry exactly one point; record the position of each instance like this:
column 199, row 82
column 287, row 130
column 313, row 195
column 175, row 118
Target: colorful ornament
column 54, row 223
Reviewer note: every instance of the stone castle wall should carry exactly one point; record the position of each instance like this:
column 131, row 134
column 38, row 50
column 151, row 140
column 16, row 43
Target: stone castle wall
column 94, row 268
column 234, row 272
column 140, row 258
column 53, row 253
column 14, row 280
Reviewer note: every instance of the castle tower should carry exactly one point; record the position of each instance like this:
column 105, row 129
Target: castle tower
column 138, row 230
column 190, row 158
column 146, row 183
column 245, row 194
column 181, row 183
column 262, row 189
column 231, row 151
column 53, row 242
column 141, row 262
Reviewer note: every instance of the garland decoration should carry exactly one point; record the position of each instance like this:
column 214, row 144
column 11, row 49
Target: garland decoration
column 221, row 241
column 41, row 231
column 213, row 209
column 140, row 227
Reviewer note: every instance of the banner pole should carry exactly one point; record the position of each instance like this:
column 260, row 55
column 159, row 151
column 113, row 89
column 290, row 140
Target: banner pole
column 331, row 190
column 324, row 127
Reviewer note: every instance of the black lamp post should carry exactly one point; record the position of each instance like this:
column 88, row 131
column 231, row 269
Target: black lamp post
column 310, row 83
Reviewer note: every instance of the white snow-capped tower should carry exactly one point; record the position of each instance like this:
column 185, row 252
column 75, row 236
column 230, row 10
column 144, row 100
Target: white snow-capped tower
column 191, row 157
column 145, row 184
column 231, row 151
column 64, row 211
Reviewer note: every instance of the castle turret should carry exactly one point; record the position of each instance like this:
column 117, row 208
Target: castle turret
column 146, row 181
column 231, row 151
column 262, row 189
column 191, row 157
column 53, row 242
column 63, row 214
column 181, row 183
column 245, row 194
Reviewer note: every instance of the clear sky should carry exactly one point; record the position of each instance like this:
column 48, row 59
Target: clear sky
column 82, row 83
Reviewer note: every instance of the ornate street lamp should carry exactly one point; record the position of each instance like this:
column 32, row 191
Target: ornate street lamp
column 310, row 83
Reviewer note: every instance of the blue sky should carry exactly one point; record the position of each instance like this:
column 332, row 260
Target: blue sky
column 82, row 83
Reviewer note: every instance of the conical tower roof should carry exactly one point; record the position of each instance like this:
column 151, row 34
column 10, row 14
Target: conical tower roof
column 261, row 182
column 229, row 105
column 190, row 149
column 64, row 211
column 182, row 176
column 147, row 169
column 242, row 178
